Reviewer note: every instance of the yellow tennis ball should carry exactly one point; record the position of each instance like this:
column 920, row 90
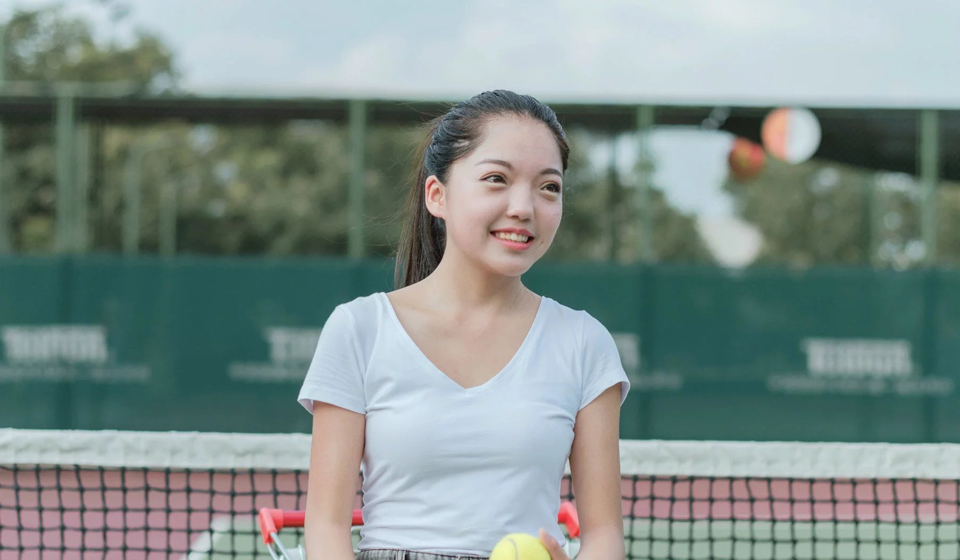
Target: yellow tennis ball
column 519, row 546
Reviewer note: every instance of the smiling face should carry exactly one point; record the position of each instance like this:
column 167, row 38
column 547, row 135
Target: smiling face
column 502, row 203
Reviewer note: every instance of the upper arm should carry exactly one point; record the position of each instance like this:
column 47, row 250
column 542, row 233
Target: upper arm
column 336, row 450
column 595, row 463
column 333, row 390
column 595, row 452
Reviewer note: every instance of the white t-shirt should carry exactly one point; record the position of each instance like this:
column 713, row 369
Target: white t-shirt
column 450, row 470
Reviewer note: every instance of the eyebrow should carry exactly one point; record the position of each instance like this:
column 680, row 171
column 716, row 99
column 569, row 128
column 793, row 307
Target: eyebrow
column 508, row 165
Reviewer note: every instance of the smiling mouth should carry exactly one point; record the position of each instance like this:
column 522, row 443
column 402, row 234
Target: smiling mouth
column 514, row 237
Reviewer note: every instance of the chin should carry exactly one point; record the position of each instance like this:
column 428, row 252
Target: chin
column 505, row 267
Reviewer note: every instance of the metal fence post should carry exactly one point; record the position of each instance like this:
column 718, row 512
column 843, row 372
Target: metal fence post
column 66, row 135
column 929, row 152
column 358, row 143
column 646, row 249
column 130, row 230
column 80, row 239
column 5, row 244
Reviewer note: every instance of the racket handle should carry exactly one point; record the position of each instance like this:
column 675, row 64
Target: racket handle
column 568, row 517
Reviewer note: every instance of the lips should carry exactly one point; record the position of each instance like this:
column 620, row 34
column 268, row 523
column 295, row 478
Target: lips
column 515, row 235
column 517, row 240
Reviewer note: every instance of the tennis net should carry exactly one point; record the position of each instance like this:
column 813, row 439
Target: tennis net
column 145, row 495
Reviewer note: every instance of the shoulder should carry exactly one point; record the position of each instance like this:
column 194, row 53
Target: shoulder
column 578, row 323
column 360, row 311
column 591, row 346
column 354, row 326
column 582, row 332
column 358, row 320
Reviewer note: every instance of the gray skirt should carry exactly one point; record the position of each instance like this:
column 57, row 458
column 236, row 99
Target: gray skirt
column 399, row 554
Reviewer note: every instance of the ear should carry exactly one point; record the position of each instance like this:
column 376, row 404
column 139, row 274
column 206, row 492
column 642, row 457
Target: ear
column 435, row 197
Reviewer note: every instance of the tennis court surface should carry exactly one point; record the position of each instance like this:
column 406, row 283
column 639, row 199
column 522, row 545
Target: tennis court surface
column 146, row 495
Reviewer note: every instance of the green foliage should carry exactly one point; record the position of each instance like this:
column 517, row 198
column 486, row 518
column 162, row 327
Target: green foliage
column 808, row 214
column 390, row 163
column 272, row 189
column 43, row 47
column 818, row 213
column 601, row 214
column 948, row 224
column 47, row 46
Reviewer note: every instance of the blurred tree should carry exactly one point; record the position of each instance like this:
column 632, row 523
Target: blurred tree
column 44, row 47
column 282, row 191
column 808, row 213
column 390, row 157
column 601, row 213
column 271, row 189
column 948, row 220
column 819, row 213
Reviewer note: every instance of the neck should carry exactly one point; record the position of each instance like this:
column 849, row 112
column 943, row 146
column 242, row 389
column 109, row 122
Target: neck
column 458, row 283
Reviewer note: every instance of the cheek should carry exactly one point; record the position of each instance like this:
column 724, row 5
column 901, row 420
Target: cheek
column 551, row 215
column 471, row 220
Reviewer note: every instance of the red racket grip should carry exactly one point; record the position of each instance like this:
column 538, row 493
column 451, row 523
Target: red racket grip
column 568, row 517
column 273, row 520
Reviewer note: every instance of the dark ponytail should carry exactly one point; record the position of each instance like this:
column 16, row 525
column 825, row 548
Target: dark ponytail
column 450, row 137
column 422, row 238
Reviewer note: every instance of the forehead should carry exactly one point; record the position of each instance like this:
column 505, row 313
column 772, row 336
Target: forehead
column 522, row 141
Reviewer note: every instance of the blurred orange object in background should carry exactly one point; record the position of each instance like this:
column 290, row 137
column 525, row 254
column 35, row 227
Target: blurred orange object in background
column 746, row 159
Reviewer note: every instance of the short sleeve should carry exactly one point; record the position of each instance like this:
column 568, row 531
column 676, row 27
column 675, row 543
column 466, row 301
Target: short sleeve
column 335, row 375
column 601, row 367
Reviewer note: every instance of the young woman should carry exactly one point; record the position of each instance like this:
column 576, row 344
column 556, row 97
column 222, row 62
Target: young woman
column 462, row 394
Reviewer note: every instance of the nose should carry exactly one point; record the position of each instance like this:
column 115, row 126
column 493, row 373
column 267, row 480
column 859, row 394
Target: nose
column 520, row 203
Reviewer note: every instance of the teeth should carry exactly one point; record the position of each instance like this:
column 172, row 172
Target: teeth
column 512, row 237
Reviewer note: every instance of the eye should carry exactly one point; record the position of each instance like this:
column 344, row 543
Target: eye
column 495, row 178
column 553, row 187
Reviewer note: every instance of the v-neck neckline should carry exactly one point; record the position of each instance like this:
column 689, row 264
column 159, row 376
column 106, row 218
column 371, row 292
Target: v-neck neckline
column 428, row 363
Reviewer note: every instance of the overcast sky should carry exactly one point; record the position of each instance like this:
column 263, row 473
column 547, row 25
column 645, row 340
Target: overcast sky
column 849, row 52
